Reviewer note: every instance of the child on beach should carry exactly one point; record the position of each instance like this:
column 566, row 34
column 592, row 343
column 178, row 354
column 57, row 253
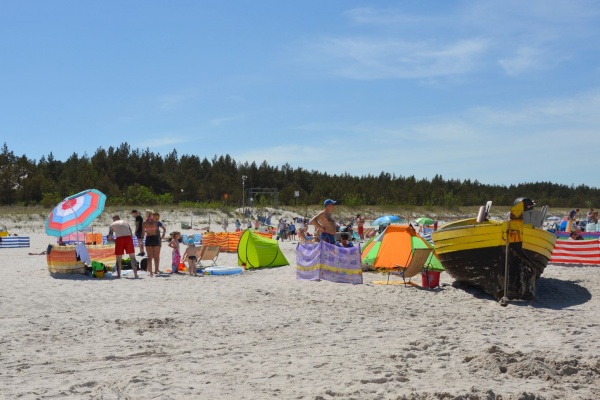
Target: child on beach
column 176, row 256
column 190, row 255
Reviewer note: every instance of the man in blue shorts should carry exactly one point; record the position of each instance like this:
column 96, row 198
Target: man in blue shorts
column 324, row 222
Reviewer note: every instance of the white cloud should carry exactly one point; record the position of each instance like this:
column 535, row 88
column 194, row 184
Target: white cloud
column 374, row 16
column 173, row 101
column 164, row 141
column 217, row 121
column 364, row 58
column 508, row 145
column 519, row 36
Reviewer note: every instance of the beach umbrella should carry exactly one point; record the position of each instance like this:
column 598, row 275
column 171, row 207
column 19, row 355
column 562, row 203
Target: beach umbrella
column 424, row 221
column 386, row 220
column 75, row 212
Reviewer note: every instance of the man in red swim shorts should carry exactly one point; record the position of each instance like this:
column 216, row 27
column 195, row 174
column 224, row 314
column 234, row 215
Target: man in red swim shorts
column 123, row 243
column 360, row 221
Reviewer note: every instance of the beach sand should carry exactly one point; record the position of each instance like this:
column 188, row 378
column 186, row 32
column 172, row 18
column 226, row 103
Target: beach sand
column 265, row 334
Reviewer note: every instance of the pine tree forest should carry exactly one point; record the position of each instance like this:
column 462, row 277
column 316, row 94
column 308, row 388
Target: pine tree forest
column 140, row 177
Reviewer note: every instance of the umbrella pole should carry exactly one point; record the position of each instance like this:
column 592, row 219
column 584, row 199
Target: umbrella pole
column 76, row 223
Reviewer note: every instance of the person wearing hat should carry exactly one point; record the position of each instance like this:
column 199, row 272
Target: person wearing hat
column 324, row 222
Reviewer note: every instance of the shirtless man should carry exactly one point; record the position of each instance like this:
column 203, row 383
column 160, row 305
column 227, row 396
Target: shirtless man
column 360, row 221
column 324, row 222
column 123, row 243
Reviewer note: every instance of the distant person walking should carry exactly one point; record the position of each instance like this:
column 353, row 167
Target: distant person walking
column 123, row 243
column 324, row 223
column 281, row 229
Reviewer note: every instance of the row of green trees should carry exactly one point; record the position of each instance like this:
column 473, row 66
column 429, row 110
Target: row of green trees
column 140, row 177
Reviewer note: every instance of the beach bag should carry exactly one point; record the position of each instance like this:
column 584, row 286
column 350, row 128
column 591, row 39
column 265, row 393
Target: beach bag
column 126, row 263
column 144, row 264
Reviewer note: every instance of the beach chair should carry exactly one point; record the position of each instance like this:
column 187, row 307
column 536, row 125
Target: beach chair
column 302, row 238
column 207, row 253
column 416, row 262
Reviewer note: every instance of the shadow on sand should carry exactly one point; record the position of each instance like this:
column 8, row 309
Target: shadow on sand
column 558, row 294
column 550, row 293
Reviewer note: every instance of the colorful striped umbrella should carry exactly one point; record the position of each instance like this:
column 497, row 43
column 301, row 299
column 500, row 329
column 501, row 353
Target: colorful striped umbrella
column 75, row 212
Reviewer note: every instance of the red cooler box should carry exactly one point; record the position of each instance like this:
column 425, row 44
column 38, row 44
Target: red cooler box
column 430, row 279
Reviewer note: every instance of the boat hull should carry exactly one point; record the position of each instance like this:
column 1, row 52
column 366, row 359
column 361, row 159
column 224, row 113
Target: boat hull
column 474, row 254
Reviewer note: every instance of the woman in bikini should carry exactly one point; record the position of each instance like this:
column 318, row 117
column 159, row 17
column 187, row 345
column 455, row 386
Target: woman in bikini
column 150, row 229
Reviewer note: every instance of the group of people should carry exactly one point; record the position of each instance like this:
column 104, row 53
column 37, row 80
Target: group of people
column 286, row 230
column 576, row 227
column 149, row 228
column 153, row 231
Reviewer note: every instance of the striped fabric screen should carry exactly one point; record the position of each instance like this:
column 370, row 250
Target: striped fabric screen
column 576, row 252
column 14, row 241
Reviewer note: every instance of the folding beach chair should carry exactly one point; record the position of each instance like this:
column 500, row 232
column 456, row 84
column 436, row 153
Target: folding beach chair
column 207, row 253
column 416, row 262
column 302, row 238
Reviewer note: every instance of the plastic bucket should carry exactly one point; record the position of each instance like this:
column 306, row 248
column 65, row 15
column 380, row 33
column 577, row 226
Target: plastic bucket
column 430, row 279
column 99, row 274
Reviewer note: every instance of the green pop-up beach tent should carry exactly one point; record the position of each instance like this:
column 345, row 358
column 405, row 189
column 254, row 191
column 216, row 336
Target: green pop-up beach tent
column 256, row 251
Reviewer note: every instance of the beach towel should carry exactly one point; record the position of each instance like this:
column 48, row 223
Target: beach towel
column 82, row 253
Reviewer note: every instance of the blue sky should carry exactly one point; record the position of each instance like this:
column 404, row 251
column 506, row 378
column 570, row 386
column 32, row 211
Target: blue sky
column 502, row 92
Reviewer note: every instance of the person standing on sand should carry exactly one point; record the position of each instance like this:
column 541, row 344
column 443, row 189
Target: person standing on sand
column 123, row 243
column 138, row 231
column 190, row 256
column 360, row 222
column 161, row 226
column 150, row 228
column 324, row 222
column 175, row 255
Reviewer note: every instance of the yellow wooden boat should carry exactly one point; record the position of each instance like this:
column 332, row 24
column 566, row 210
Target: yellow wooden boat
column 473, row 251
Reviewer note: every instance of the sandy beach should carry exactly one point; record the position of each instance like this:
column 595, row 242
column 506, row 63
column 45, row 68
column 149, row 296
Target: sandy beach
column 265, row 334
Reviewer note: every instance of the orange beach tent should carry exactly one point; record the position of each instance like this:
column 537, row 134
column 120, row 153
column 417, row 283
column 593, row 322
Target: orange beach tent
column 393, row 246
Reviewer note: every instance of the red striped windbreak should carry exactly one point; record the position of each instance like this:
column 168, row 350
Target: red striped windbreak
column 576, row 252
